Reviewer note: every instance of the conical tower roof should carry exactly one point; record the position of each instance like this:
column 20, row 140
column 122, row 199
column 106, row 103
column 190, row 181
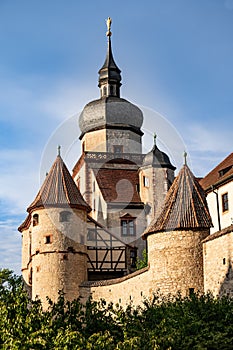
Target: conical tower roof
column 59, row 190
column 185, row 206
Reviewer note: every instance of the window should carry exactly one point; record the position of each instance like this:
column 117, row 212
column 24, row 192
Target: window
column 118, row 149
column 225, row 205
column 128, row 227
column 111, row 90
column 91, row 235
column 35, row 220
column 146, row 182
column 48, row 239
column 64, row 216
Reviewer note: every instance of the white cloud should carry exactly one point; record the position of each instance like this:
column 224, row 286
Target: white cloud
column 10, row 245
column 19, row 178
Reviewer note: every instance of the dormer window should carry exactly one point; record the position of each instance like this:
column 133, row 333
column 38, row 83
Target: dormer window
column 224, row 171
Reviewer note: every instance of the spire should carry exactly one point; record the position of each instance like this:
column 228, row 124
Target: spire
column 185, row 206
column 109, row 74
column 59, row 190
column 185, row 157
column 155, row 136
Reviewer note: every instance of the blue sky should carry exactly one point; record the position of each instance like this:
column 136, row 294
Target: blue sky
column 176, row 58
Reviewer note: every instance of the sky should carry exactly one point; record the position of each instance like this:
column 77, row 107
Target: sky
column 176, row 61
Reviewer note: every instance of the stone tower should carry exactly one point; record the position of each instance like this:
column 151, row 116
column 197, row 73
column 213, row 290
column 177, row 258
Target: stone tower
column 54, row 253
column 175, row 251
column 156, row 175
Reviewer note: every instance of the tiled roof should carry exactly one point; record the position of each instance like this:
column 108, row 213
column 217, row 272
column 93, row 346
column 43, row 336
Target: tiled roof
column 218, row 234
column 59, row 189
column 219, row 174
column 25, row 224
column 118, row 185
column 185, row 206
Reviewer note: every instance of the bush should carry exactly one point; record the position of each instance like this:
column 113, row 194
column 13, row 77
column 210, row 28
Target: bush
column 197, row 322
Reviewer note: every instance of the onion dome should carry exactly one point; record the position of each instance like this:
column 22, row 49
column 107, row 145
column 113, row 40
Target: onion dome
column 59, row 190
column 185, row 206
column 110, row 111
column 157, row 158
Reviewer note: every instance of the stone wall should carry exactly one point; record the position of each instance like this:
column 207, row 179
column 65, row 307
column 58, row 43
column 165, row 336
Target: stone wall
column 176, row 261
column 58, row 259
column 218, row 262
column 132, row 288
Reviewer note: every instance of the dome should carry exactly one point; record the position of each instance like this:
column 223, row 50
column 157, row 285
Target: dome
column 157, row 158
column 110, row 111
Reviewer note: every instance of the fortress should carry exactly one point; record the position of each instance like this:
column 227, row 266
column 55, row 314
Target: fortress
column 84, row 231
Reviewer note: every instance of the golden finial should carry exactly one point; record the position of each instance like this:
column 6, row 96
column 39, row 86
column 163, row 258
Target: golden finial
column 109, row 23
column 185, row 158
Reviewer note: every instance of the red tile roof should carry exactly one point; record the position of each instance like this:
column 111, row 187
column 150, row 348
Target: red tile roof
column 185, row 206
column 59, row 189
column 220, row 174
column 118, row 185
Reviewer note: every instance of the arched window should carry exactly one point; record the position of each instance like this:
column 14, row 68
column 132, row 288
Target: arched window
column 104, row 91
column 35, row 220
column 64, row 216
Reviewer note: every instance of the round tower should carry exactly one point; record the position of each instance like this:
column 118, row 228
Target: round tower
column 156, row 175
column 174, row 239
column 54, row 237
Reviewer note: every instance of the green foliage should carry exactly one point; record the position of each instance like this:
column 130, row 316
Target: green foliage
column 198, row 322
column 140, row 263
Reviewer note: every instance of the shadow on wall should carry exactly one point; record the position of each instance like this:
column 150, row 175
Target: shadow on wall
column 226, row 287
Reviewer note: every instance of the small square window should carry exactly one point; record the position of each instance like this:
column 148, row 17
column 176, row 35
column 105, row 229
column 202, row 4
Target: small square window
column 225, row 203
column 118, row 149
column 48, row 239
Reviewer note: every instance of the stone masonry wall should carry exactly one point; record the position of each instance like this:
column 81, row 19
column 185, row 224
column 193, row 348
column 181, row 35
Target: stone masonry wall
column 176, row 261
column 175, row 264
column 60, row 261
column 218, row 263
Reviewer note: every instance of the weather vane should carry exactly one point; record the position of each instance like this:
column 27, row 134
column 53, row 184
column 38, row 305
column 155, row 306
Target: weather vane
column 109, row 23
